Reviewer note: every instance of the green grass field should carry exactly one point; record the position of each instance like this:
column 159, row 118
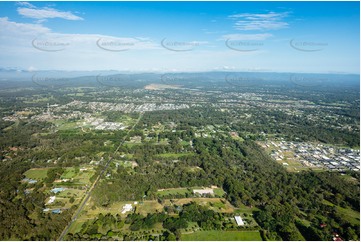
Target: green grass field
column 347, row 213
column 76, row 226
column 150, row 206
column 76, row 193
column 36, row 173
column 173, row 191
column 84, row 176
column 68, row 173
column 219, row 192
column 174, row 155
column 67, row 125
column 350, row 215
column 222, row 235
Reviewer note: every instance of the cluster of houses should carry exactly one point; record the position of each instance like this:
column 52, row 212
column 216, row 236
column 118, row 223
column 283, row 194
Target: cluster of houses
column 318, row 155
column 52, row 200
column 130, row 107
column 55, row 111
column 99, row 124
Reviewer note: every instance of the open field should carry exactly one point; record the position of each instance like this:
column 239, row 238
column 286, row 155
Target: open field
column 68, row 173
column 174, row 155
column 222, row 235
column 76, row 226
column 37, row 173
column 219, row 192
column 70, row 192
column 173, row 191
column 156, row 86
column 80, row 177
column 84, row 176
column 65, row 125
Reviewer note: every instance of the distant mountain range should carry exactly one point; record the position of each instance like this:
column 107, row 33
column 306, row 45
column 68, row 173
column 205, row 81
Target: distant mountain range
column 14, row 76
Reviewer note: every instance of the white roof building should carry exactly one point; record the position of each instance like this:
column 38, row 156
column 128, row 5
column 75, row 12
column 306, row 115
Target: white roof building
column 239, row 220
column 51, row 200
column 203, row 191
column 127, row 208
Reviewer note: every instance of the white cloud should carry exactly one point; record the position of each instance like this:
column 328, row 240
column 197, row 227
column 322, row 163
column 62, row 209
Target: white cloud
column 246, row 36
column 26, row 4
column 18, row 42
column 267, row 21
column 31, row 68
column 46, row 13
column 32, row 38
column 9, row 28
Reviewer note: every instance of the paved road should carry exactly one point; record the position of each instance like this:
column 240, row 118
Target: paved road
column 87, row 195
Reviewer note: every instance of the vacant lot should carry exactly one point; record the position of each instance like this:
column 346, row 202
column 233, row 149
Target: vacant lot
column 223, row 235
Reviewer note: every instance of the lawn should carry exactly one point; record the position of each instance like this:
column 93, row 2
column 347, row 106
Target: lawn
column 174, row 155
column 148, row 206
column 68, row 125
column 76, row 226
column 219, row 192
column 222, row 235
column 70, row 192
column 37, row 173
column 84, row 176
column 68, row 173
column 173, row 191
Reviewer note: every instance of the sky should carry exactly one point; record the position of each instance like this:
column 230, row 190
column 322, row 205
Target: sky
column 314, row 37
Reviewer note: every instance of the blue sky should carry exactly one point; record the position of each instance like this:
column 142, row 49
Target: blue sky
column 321, row 37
